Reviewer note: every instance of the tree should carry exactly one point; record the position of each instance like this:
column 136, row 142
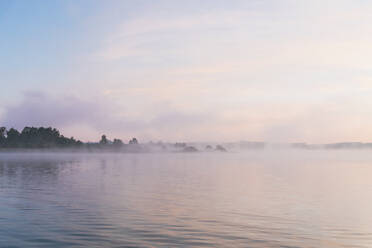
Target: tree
column 103, row 140
column 2, row 136
column 118, row 143
column 133, row 141
column 220, row 148
column 13, row 138
column 2, row 132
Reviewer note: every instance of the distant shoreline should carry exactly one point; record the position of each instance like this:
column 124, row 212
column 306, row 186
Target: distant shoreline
column 49, row 139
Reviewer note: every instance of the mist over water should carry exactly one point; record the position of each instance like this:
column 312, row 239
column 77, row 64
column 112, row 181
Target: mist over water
column 261, row 198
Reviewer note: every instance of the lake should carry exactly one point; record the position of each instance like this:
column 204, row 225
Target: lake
column 252, row 199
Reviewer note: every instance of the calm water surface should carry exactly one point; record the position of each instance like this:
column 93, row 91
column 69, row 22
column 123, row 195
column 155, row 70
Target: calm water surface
column 255, row 199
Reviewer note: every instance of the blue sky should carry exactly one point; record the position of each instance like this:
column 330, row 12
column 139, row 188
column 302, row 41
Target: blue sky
column 280, row 71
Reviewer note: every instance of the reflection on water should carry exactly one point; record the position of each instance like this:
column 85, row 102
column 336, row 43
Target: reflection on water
column 258, row 199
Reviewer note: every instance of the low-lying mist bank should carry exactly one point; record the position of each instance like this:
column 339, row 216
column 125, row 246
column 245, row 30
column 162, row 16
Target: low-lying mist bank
column 277, row 157
column 194, row 147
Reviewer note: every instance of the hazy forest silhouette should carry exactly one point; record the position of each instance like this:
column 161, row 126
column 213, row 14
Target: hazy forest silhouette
column 41, row 137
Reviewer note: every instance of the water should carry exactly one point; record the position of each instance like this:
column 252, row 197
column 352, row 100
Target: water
column 254, row 199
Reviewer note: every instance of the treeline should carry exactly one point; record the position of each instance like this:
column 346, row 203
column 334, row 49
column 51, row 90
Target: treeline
column 41, row 137
column 32, row 137
column 106, row 143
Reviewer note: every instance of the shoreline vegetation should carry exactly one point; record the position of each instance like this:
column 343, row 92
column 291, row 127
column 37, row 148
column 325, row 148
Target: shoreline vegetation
column 50, row 139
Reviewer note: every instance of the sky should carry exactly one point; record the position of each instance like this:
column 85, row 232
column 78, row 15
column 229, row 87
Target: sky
column 211, row 70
